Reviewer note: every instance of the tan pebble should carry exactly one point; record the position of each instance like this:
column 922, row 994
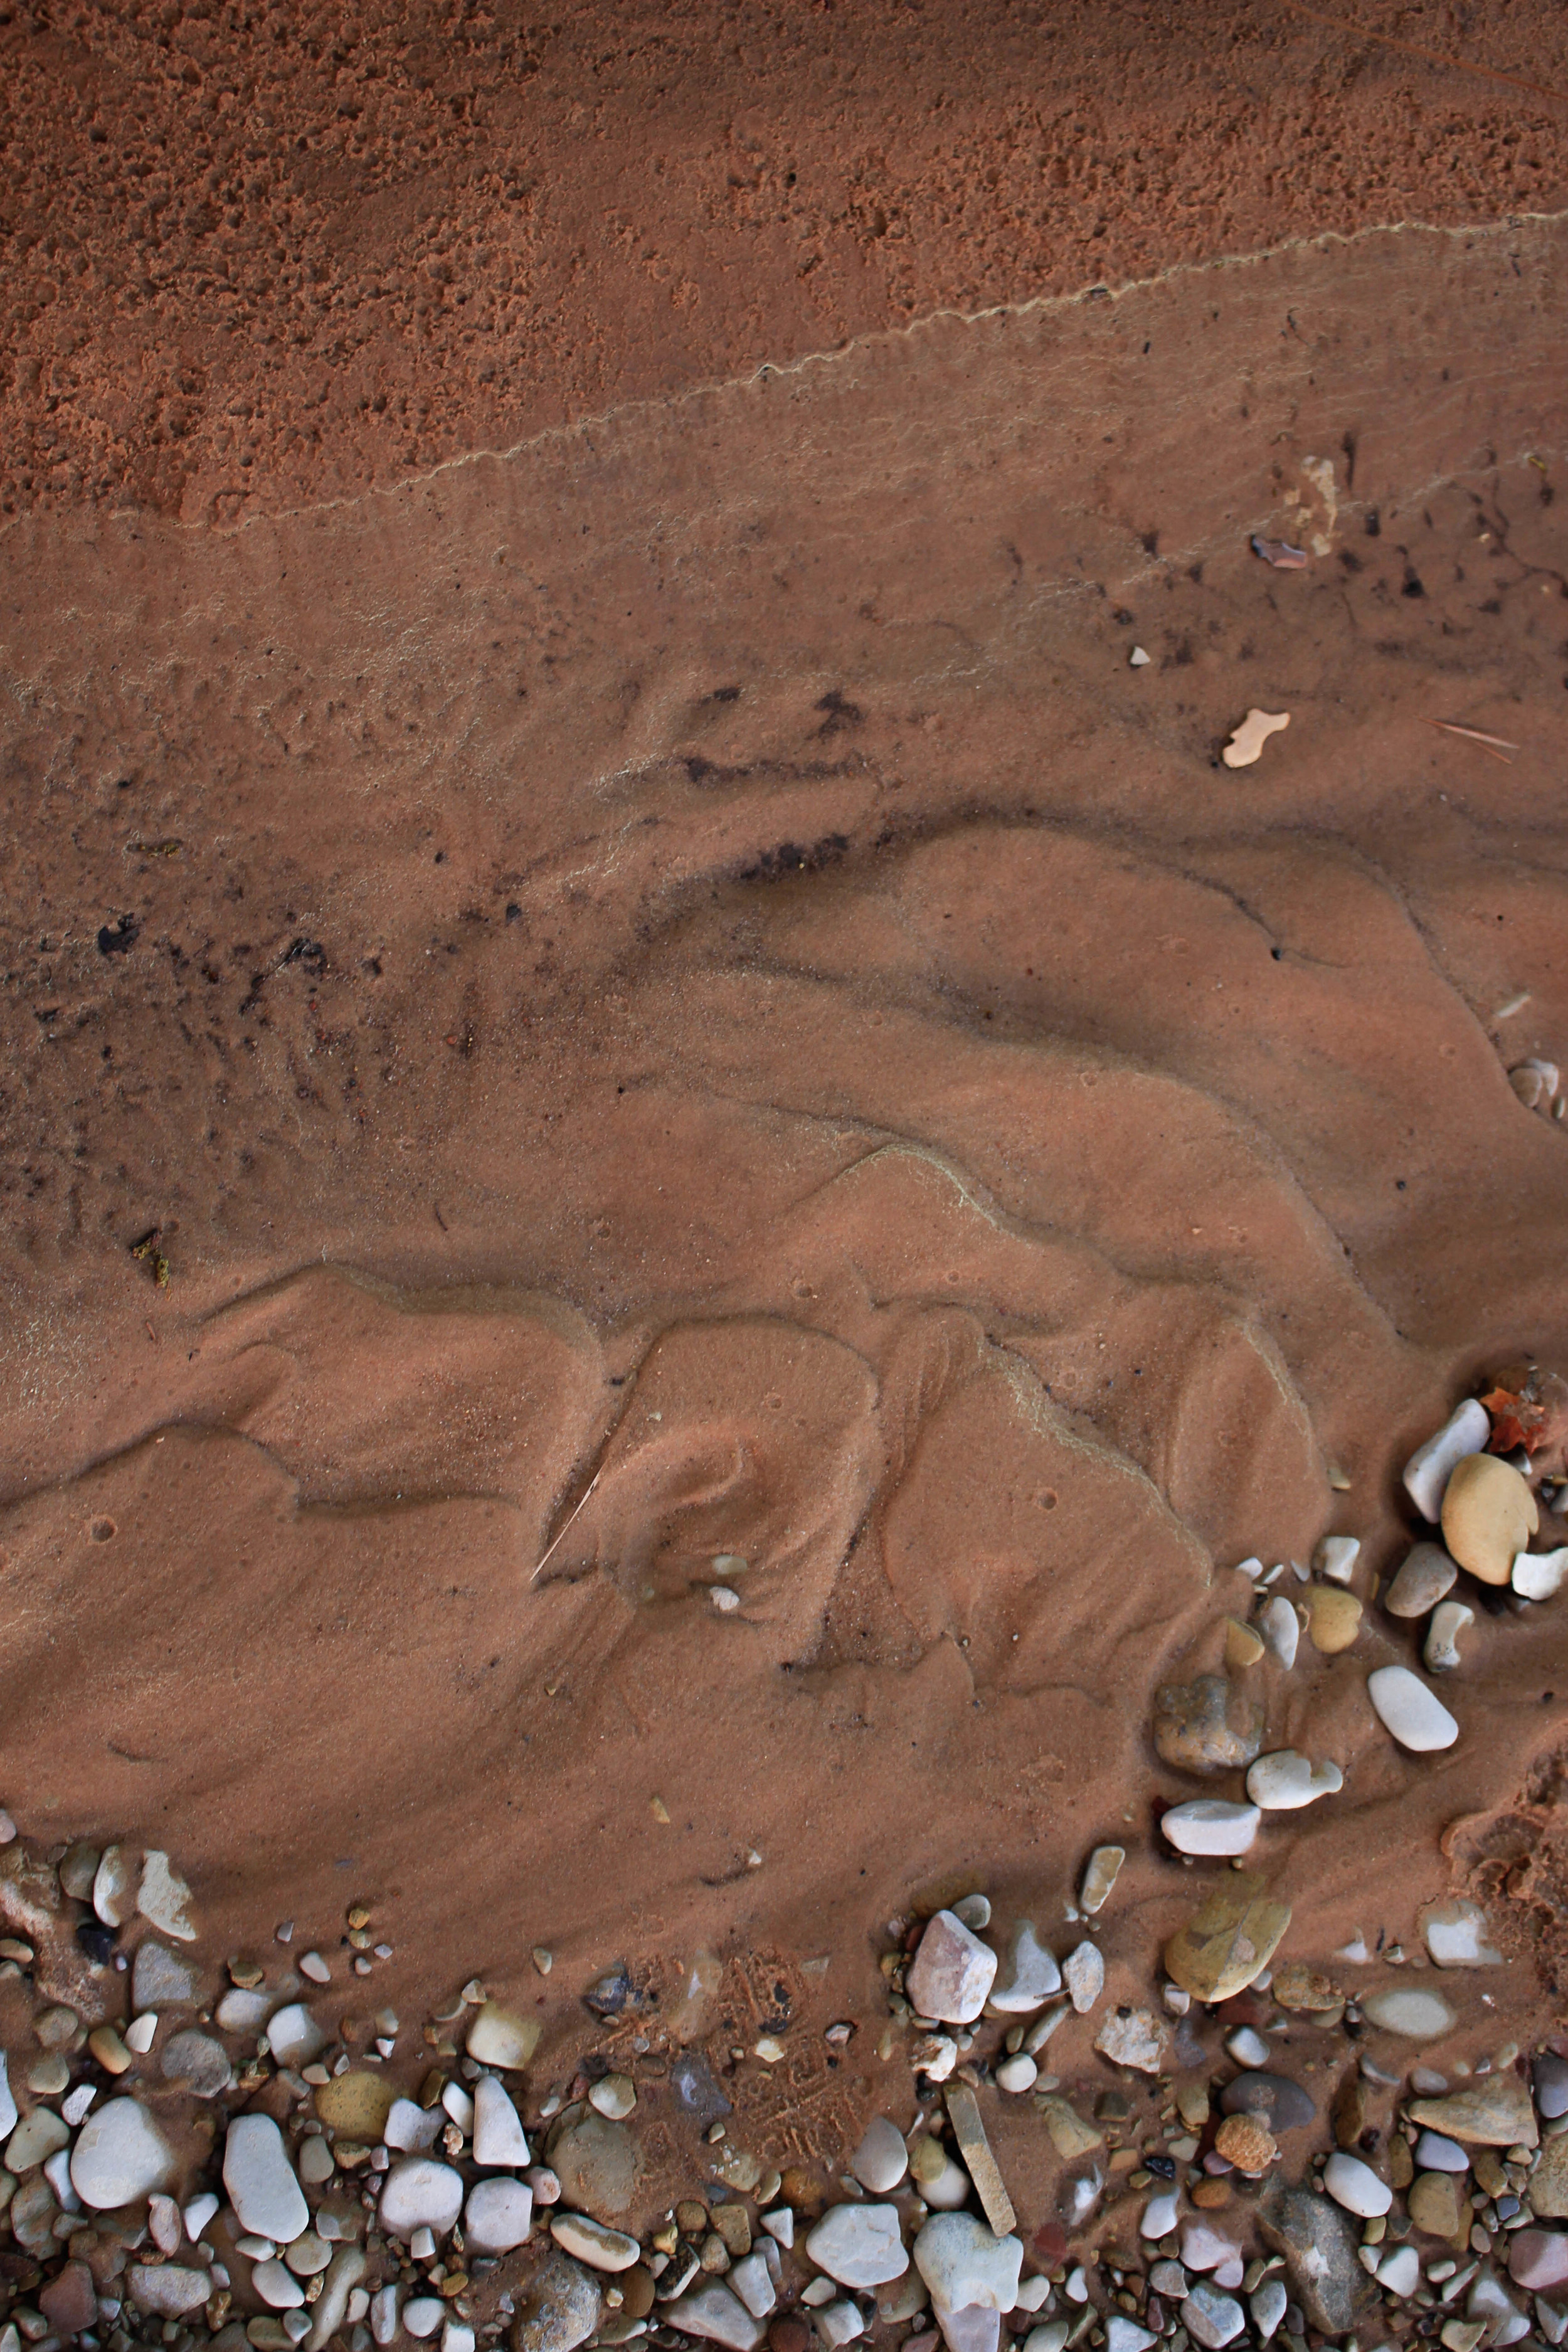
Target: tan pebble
column 1248, row 739
column 1435, row 2204
column 1333, row 1617
column 1489, row 1514
column 1296, row 1985
column 1211, row 2194
column 108, row 2050
column 1247, row 2143
column 1401, row 2163
column 1230, row 1939
column 1242, row 1646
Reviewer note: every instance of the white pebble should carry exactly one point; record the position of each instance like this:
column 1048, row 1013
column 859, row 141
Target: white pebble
column 1210, row 1825
column 1280, row 1629
column 1356, row 2187
column 1159, row 2216
column 1283, row 1780
column 1336, row 1557
column 1440, row 1652
column 725, row 1598
column 1466, row 1431
column 1414, row 1715
column 1248, row 2047
column 1138, row 658
column 1017, row 2074
column 1085, row 1975
column 1538, row 1575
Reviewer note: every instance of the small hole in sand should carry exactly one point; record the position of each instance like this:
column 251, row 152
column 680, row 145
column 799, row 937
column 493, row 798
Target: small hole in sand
column 101, row 1530
column 1047, row 1499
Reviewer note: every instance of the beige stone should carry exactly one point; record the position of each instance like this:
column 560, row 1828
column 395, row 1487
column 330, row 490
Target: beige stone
column 1495, row 2113
column 1070, row 2134
column 1333, row 1617
column 1434, row 2203
column 1549, row 2181
column 356, row 2104
column 1242, row 1646
column 1229, row 1939
column 1489, row 1514
column 1247, row 2142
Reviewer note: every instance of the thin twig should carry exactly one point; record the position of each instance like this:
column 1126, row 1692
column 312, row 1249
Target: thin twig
column 591, row 1484
column 1429, row 56
column 1498, row 745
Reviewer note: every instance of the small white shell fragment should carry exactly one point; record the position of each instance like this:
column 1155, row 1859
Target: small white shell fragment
column 1248, row 739
column 1538, row 1575
column 1210, row 1825
column 1414, row 1715
column 1336, row 1557
column 1441, row 1651
column 1283, row 1781
column 1138, row 658
column 1281, row 1630
column 1466, row 1431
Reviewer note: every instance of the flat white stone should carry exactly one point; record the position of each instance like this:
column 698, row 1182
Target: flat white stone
column 1336, row 1557
column 1414, row 1714
column 964, row 2264
column 457, row 2336
column 413, row 2128
column 1017, row 2074
column 1356, row 2187
column 1539, row 1574
column 594, row 2243
column 261, row 2182
column 498, row 2127
column 840, row 2323
column 276, row 2285
column 1280, row 1629
column 1031, row 1975
column 498, row 2216
column 1211, row 2317
column 881, row 2160
column 458, row 2106
column 420, row 2194
column 1085, row 1975
column 141, row 2031
column 1466, row 1431
column 496, row 2038
column 1434, row 2152
column 170, row 2289
column 1159, row 2218
column 241, row 2011
column 114, row 1887
column 779, row 2227
column 951, row 1972
column 1408, row 2010
column 120, row 2156
column 1283, row 1780
column 859, row 2245
column 1440, row 1651
column 614, row 2096
column 1210, row 1825
column 423, row 2315
column 750, row 2279
column 950, row 2190
column 1124, row 2335
column 1248, row 2047
column 1207, row 2249
column 293, row 2035
column 711, row 2312
column 1049, row 2337
column 199, row 2212
column 1268, row 2304
column 1456, row 1934
column 164, row 1898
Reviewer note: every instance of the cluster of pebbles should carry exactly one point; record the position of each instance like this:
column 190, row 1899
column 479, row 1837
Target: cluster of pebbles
column 196, row 2160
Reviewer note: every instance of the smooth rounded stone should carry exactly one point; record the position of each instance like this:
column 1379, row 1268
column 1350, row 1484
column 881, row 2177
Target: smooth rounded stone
column 1335, row 1558
column 1281, row 1630
column 1084, row 1972
column 317, row 2163
column 422, row 2315
column 859, row 2245
column 141, row 2031
column 498, row 2137
column 418, row 2194
column 950, row 2190
column 1410, row 2010
column 1206, row 2249
column 881, row 2160
column 163, row 1897
column 752, row 2280
column 114, row 1887
column 496, row 2038
column 120, row 2156
column 242, row 2012
column 1210, row 1825
column 458, row 2106
column 614, row 2096
column 498, row 2216
column 1030, row 1976
column 974, row 1910
column 293, row 2035
column 355, row 2105
column 1434, row 2200
column 711, row 2312
column 951, row 1972
column 1017, row 2074
column 1435, row 2153
column 1334, row 1617
column 1139, row 2040
column 596, row 2162
column 1046, row 2025
column 1124, row 2335
column 1243, row 1647
column 1489, row 1517
column 39, row 2135
column 563, row 2307
column 309, row 2254
column 1405, row 1708
column 411, row 2127
column 1399, row 2273
column 1320, row 2244
column 199, row 2212
column 1283, row 1781
column 965, row 2264
column 1099, row 1876
column 161, row 1979
column 1207, row 1726
column 1210, row 2316
column 1465, row 1432
column 70, row 2303
column 169, row 2289
column 197, row 2063
column 1049, row 2337
column 260, row 2180
column 1423, row 1577
column 1538, row 2259
column 1538, row 1575
column 594, row 2243
column 1456, row 1935
column 1159, row 2216
column 1493, row 2113
column 1440, row 1651
column 276, row 2285
column 1549, row 2074
column 1267, row 2305
column 1356, row 2187
column 1283, row 2105
column 1228, row 1941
